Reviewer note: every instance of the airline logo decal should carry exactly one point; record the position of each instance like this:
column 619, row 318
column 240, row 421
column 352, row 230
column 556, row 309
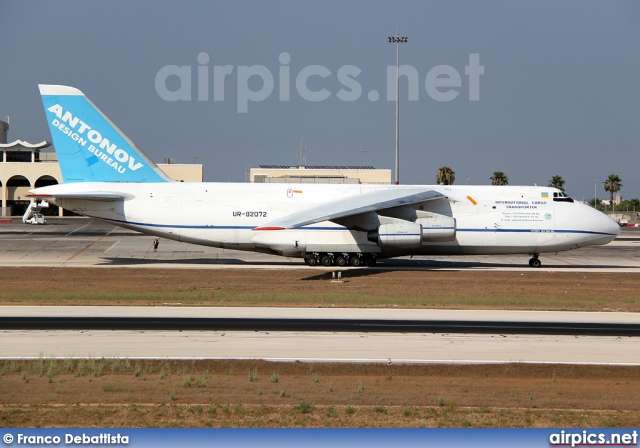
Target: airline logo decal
column 291, row 192
column 544, row 194
column 103, row 151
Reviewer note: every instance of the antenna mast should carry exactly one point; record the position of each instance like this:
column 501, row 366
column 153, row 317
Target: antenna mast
column 362, row 151
column 303, row 153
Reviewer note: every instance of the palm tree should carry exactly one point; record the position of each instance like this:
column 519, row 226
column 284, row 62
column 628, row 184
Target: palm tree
column 613, row 184
column 499, row 178
column 445, row 176
column 557, row 182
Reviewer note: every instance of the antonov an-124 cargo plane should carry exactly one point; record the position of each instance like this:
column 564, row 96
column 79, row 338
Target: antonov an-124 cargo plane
column 106, row 176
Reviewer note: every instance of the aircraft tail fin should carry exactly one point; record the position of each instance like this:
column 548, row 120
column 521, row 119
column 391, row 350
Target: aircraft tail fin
column 89, row 146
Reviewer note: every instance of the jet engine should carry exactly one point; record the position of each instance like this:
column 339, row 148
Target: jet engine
column 437, row 228
column 400, row 235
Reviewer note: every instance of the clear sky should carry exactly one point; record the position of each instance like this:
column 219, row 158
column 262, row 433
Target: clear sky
column 559, row 93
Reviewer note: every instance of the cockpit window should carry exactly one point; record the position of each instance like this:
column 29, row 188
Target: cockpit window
column 559, row 196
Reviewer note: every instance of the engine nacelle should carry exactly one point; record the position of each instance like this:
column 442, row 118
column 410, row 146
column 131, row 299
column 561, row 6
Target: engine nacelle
column 438, row 228
column 401, row 235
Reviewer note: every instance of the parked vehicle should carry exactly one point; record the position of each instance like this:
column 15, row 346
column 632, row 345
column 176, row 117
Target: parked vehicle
column 36, row 218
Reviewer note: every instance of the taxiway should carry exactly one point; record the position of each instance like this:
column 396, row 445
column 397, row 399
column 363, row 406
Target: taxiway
column 83, row 242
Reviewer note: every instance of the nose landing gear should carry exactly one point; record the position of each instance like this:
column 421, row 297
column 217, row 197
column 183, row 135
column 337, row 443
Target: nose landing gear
column 535, row 261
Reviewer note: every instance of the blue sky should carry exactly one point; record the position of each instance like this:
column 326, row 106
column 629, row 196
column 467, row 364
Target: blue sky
column 560, row 93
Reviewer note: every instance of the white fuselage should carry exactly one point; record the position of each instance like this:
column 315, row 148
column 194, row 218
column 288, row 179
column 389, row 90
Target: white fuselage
column 489, row 219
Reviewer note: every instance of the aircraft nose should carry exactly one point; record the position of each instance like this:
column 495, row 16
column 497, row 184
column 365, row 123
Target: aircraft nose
column 606, row 227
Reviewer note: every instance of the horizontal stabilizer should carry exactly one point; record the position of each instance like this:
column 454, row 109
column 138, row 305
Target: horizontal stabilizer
column 106, row 196
column 353, row 205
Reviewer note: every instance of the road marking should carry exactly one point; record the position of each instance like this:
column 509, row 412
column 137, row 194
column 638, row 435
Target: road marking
column 84, row 249
column 88, row 245
column 112, row 246
column 15, row 245
column 79, row 228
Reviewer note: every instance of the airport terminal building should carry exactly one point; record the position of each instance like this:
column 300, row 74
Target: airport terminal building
column 25, row 166
column 320, row 174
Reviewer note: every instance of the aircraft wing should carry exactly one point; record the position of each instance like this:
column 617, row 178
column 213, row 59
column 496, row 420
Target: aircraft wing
column 353, row 205
column 107, row 196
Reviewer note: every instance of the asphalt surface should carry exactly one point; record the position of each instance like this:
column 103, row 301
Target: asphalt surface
column 83, row 242
column 305, row 343
column 318, row 320
column 311, row 346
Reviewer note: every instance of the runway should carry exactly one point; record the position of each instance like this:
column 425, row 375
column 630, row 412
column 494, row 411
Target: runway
column 326, row 346
column 322, row 347
column 318, row 319
column 83, row 242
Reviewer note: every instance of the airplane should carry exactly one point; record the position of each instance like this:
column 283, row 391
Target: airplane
column 106, row 176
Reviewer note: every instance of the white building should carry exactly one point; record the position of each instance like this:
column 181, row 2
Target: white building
column 322, row 174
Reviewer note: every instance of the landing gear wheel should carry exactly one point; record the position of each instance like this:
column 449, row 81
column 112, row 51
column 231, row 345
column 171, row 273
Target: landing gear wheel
column 370, row 261
column 341, row 261
column 535, row 262
column 326, row 260
column 311, row 261
column 356, row 261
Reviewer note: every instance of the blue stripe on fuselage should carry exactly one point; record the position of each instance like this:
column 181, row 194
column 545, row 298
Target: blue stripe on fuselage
column 184, row 226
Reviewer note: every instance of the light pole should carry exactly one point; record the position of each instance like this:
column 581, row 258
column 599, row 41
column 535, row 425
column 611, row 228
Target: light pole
column 467, row 182
column 397, row 39
column 595, row 195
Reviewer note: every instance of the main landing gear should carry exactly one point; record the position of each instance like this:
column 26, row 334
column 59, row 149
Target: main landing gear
column 535, row 261
column 340, row 259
